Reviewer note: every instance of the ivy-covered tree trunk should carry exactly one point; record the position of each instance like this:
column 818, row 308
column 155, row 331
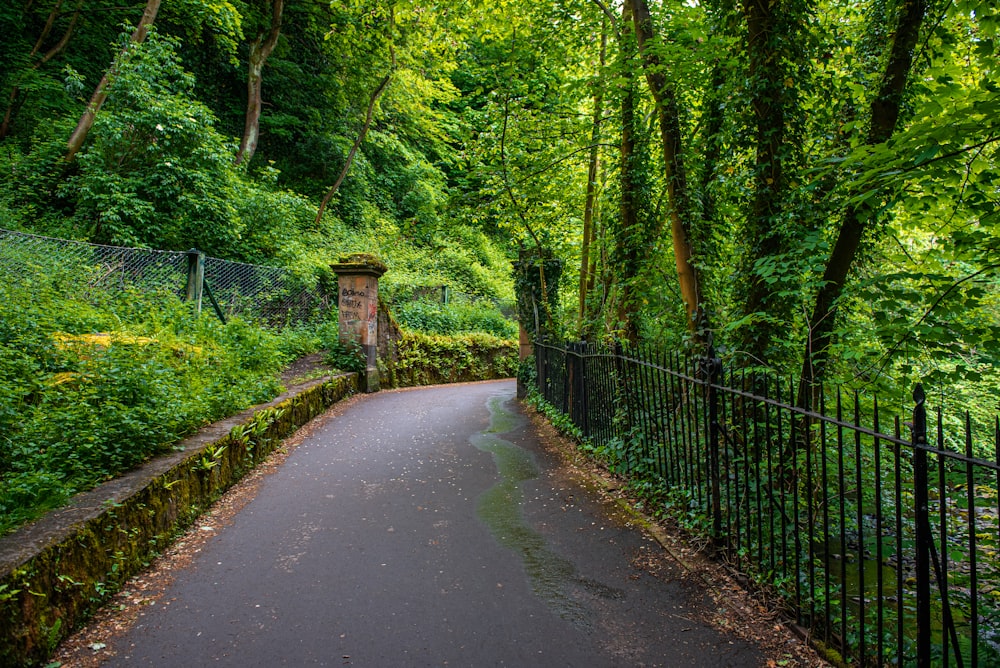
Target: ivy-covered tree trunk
column 586, row 278
column 101, row 92
column 260, row 50
column 714, row 119
column 884, row 115
column 668, row 115
column 536, row 288
column 768, row 35
column 628, row 236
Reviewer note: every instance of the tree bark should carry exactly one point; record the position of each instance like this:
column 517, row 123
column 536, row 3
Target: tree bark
column 668, row 116
column 885, row 110
column 712, row 153
column 764, row 236
column 260, row 51
column 628, row 239
column 376, row 94
column 592, row 170
column 101, row 92
column 15, row 101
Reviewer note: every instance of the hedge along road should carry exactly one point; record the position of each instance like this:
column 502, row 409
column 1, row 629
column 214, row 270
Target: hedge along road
column 426, row 527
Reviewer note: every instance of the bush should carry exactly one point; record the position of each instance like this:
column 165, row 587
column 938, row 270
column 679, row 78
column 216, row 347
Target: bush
column 425, row 359
column 155, row 172
column 89, row 390
column 458, row 317
column 346, row 357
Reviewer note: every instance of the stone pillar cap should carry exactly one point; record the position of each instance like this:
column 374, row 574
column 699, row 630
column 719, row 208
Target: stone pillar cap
column 360, row 263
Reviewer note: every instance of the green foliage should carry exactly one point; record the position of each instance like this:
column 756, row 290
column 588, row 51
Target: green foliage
column 77, row 409
column 346, row 356
column 155, row 171
column 426, row 359
column 557, row 418
column 455, row 317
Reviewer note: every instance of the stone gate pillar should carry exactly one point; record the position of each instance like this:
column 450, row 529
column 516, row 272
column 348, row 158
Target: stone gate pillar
column 357, row 308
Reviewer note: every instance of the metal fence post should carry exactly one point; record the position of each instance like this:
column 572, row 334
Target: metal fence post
column 923, row 528
column 583, row 389
column 195, row 278
column 540, row 362
column 576, row 385
column 711, row 369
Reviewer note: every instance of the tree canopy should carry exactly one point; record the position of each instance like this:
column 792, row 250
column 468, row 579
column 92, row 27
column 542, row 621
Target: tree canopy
column 810, row 186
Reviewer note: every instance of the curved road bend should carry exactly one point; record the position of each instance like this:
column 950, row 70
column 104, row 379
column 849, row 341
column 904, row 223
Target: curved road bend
column 425, row 527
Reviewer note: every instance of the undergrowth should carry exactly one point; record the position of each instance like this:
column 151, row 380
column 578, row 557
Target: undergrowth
column 427, row 359
column 651, row 493
column 456, row 317
column 90, row 389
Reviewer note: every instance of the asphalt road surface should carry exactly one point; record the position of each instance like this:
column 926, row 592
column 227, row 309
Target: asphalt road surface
column 426, row 528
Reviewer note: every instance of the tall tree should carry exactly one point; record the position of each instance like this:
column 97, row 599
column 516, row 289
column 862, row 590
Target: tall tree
column 630, row 236
column 260, row 51
column 362, row 133
column 366, row 125
column 86, row 122
column 16, row 98
column 883, row 118
column 771, row 27
column 671, row 142
column 593, row 165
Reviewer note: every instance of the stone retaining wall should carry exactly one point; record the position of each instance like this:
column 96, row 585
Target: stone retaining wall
column 58, row 570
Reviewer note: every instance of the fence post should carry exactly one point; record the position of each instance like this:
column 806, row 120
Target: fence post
column 576, row 385
column 711, row 369
column 540, row 361
column 583, row 391
column 923, row 528
column 195, row 278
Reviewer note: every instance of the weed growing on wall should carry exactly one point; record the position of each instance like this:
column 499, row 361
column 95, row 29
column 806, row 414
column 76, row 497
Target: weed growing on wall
column 427, row 359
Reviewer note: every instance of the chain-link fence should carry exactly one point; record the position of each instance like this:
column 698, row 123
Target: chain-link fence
column 270, row 295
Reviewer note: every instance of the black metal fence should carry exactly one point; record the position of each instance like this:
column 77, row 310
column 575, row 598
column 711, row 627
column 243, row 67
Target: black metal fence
column 271, row 295
column 884, row 545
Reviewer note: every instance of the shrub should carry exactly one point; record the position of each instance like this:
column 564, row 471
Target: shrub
column 155, row 172
column 78, row 407
column 457, row 317
column 426, row 359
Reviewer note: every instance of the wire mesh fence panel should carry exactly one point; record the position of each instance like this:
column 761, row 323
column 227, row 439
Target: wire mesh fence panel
column 271, row 295
column 97, row 268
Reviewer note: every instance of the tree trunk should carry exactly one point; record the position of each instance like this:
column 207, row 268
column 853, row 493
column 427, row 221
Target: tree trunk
column 260, row 50
column 15, row 101
column 764, row 234
column 885, row 111
column 712, row 154
column 101, row 92
column 586, row 279
column 628, row 238
column 376, row 94
column 670, row 138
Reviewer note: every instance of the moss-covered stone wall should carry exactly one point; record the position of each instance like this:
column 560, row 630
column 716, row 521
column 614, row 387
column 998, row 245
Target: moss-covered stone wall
column 428, row 359
column 55, row 572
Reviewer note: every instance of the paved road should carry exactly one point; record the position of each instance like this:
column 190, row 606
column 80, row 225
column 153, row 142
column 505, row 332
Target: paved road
column 425, row 528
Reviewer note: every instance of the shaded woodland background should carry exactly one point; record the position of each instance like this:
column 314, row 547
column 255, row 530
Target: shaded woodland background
column 812, row 185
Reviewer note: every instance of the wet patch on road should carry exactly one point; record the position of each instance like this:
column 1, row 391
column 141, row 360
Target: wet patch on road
column 553, row 578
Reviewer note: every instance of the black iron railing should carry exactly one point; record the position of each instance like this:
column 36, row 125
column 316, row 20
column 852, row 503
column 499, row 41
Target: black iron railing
column 886, row 547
